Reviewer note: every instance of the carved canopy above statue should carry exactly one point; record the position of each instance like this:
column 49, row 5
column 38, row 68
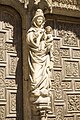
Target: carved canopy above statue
column 67, row 4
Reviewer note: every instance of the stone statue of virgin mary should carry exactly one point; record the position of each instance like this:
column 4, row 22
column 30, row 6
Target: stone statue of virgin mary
column 39, row 59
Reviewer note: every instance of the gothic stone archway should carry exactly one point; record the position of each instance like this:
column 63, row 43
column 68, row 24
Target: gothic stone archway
column 10, row 64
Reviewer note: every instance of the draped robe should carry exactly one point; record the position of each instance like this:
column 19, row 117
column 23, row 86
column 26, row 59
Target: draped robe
column 39, row 61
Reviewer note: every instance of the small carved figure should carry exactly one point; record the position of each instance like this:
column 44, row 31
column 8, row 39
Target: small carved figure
column 49, row 45
column 39, row 59
column 49, row 42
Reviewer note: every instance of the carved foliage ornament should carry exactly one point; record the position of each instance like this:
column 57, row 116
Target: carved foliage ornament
column 68, row 4
column 73, row 103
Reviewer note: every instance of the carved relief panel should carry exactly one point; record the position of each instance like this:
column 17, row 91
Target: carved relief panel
column 10, row 64
column 65, row 100
column 68, row 4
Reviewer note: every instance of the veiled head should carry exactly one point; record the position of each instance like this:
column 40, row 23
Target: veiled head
column 38, row 18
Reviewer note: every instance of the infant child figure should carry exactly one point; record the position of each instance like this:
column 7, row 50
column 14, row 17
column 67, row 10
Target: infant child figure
column 49, row 42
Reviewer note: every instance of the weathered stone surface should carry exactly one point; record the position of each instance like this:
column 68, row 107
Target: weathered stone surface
column 65, row 68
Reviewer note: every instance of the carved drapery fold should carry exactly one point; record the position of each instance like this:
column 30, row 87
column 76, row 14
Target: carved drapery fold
column 40, row 59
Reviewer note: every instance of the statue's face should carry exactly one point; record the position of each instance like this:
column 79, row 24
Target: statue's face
column 39, row 21
column 48, row 29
